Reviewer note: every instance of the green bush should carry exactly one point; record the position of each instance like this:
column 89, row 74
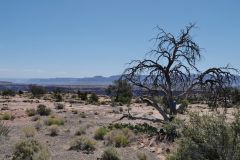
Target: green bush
column 120, row 91
column 58, row 97
column 82, row 96
column 53, row 120
column 4, row 129
column 93, row 98
column 42, row 110
column 30, row 149
column 83, row 143
column 31, row 112
column 110, row 154
column 119, row 138
column 100, row 133
column 209, row 137
column 37, row 91
column 8, row 93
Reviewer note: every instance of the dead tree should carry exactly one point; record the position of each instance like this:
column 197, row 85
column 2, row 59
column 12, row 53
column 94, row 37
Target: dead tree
column 171, row 66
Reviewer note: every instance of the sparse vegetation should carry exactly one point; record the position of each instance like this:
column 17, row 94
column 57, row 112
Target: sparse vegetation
column 54, row 120
column 7, row 116
column 209, row 137
column 110, row 154
column 54, row 130
column 31, row 112
column 93, row 98
column 81, row 131
column 42, row 110
column 100, row 133
column 120, row 92
column 4, row 129
column 141, row 156
column 59, row 106
column 29, row 132
column 119, row 138
column 30, row 149
column 8, row 92
column 83, row 144
column 37, row 91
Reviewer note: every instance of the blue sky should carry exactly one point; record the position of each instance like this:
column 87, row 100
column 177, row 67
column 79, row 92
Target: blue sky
column 78, row 38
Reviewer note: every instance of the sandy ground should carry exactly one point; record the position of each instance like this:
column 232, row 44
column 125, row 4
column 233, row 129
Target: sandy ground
column 96, row 116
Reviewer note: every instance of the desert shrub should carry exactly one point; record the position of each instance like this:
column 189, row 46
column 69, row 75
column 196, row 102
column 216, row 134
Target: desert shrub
column 183, row 105
column 31, row 112
column 119, row 138
column 7, row 116
column 58, row 97
column 83, row 115
column 110, row 154
column 37, row 91
column 29, row 132
column 8, row 92
column 53, row 120
column 74, row 111
column 141, row 156
column 20, row 92
column 209, row 137
column 80, row 131
column 138, row 128
column 30, row 149
column 93, row 98
column 54, row 130
column 4, row 129
column 38, row 125
column 82, row 95
column 35, row 118
column 59, row 106
column 42, row 110
column 82, row 143
column 100, row 133
column 172, row 130
column 120, row 91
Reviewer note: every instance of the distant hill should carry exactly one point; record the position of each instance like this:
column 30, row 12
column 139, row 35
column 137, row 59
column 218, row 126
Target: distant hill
column 96, row 80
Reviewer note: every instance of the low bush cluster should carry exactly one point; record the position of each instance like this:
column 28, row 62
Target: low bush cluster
column 209, row 137
column 31, row 112
column 42, row 110
column 119, row 137
column 83, row 144
column 110, row 154
column 54, row 120
column 30, row 149
column 100, row 133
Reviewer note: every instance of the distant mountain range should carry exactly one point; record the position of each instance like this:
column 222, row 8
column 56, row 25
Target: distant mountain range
column 96, row 80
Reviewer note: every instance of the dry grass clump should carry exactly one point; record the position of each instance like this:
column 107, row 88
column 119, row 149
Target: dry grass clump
column 119, row 137
column 7, row 116
column 38, row 125
column 59, row 106
column 54, row 120
column 110, row 154
column 141, row 156
column 30, row 149
column 54, row 130
column 29, row 132
column 100, row 133
column 82, row 143
column 31, row 112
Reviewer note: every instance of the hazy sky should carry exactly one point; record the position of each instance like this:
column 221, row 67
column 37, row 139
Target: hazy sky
column 78, row 38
